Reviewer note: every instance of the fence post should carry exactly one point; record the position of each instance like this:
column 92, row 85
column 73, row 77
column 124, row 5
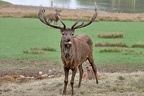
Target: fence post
column 51, row 3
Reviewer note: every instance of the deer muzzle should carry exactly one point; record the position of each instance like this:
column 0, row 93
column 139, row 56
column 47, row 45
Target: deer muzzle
column 68, row 42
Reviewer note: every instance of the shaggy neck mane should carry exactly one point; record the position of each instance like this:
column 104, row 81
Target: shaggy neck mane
column 67, row 51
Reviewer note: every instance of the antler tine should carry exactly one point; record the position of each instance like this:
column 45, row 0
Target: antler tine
column 75, row 24
column 86, row 24
column 62, row 22
column 78, row 25
column 43, row 19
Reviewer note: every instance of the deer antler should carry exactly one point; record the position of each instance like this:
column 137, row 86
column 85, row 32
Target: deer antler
column 85, row 24
column 43, row 19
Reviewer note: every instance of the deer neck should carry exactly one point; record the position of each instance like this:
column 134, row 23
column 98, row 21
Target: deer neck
column 67, row 51
column 56, row 15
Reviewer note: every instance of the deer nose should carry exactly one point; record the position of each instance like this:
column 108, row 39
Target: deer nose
column 68, row 40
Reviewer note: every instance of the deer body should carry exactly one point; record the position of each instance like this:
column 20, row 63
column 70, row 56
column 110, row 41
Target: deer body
column 54, row 17
column 75, row 54
column 74, row 49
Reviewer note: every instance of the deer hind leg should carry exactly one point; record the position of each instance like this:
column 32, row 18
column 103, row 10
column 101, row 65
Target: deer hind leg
column 72, row 79
column 66, row 70
column 91, row 61
column 80, row 74
column 56, row 23
column 49, row 20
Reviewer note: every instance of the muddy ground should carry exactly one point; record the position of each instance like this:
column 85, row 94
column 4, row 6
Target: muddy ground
column 34, row 68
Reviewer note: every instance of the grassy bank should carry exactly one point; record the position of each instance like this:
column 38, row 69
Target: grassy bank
column 20, row 34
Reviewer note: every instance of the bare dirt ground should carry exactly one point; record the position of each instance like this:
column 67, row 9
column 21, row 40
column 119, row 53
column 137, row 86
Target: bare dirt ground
column 30, row 77
column 110, row 84
column 17, row 70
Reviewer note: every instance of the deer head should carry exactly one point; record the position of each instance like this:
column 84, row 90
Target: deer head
column 58, row 12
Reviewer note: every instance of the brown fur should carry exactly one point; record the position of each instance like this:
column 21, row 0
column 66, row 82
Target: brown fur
column 89, row 74
column 54, row 17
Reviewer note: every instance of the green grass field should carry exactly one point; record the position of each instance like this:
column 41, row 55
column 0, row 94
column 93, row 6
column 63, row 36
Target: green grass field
column 19, row 34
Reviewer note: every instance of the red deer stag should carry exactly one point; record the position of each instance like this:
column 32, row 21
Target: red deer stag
column 74, row 49
column 54, row 17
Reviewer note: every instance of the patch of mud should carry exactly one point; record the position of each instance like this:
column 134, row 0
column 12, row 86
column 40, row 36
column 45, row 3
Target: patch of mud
column 15, row 70
column 23, row 70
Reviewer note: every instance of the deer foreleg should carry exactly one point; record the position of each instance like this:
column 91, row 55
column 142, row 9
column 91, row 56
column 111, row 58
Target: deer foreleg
column 72, row 79
column 80, row 74
column 49, row 21
column 55, row 23
column 66, row 70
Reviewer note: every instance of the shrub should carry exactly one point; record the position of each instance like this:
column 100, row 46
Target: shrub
column 50, row 48
column 111, row 35
column 138, row 45
column 107, row 49
column 117, row 50
column 26, row 51
column 99, row 44
column 37, row 52
column 111, row 44
column 31, row 15
column 35, row 48
column 34, row 51
column 127, row 51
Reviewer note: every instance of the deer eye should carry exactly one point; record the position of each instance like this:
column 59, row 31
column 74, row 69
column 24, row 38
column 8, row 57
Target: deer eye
column 72, row 34
column 63, row 33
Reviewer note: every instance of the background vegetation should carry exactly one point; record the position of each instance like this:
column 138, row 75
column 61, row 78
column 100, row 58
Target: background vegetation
column 4, row 2
column 20, row 34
